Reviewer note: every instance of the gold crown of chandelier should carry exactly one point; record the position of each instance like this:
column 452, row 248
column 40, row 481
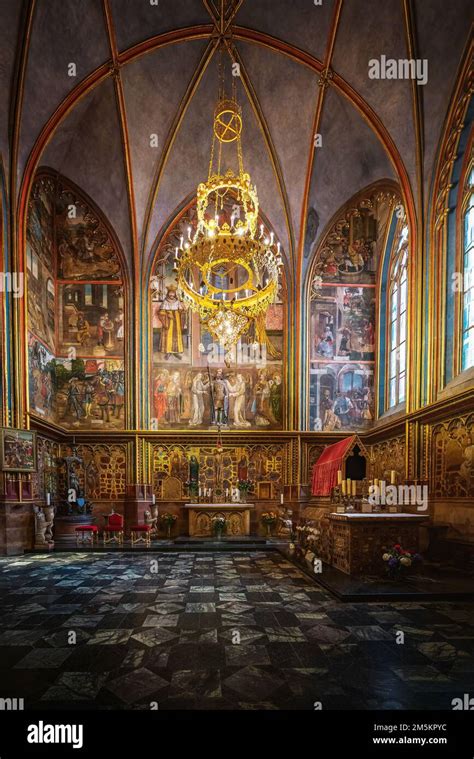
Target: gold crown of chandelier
column 228, row 267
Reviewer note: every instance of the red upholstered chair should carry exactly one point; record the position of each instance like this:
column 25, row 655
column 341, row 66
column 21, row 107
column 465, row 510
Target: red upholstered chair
column 140, row 533
column 113, row 530
column 92, row 532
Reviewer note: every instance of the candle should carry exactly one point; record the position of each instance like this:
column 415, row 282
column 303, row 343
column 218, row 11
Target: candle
column 354, row 487
column 153, row 499
column 393, row 476
column 281, row 498
column 339, row 476
column 48, row 499
column 348, row 481
column 343, row 486
column 376, row 482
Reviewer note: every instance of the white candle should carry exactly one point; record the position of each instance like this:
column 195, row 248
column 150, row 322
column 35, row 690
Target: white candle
column 281, row 498
column 153, row 499
column 48, row 499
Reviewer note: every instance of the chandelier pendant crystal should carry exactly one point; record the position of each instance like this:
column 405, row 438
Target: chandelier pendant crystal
column 228, row 268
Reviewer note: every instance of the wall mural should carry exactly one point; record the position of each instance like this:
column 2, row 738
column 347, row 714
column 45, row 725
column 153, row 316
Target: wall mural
column 342, row 316
column 40, row 261
column 452, row 471
column 389, row 455
column 75, row 311
column 192, row 387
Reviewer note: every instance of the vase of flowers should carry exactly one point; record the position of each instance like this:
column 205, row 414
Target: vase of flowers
column 269, row 519
column 398, row 561
column 168, row 521
column 218, row 526
column 244, row 487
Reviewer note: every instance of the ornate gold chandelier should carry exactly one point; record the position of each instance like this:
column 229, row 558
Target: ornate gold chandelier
column 228, row 267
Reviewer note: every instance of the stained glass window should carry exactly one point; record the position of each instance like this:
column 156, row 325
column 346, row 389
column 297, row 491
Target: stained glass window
column 467, row 339
column 398, row 320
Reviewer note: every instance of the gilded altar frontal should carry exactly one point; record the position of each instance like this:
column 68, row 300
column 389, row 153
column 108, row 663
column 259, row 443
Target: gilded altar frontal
column 237, row 364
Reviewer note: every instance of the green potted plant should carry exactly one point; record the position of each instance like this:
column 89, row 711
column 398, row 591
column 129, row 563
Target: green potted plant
column 244, row 487
column 168, row 520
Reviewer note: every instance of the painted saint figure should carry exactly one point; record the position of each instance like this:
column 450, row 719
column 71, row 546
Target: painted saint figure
column 170, row 315
column 198, row 389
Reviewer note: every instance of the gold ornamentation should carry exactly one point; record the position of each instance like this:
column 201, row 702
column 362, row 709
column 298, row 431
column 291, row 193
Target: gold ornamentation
column 227, row 269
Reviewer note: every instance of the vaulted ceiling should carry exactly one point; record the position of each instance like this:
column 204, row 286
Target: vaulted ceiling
column 146, row 69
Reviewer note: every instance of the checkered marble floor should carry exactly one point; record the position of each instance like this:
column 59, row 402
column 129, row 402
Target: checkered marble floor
column 221, row 630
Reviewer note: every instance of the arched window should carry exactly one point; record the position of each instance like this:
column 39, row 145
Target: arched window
column 467, row 334
column 397, row 319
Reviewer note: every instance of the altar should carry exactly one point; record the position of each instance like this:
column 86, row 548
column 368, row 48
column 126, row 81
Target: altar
column 200, row 516
column 355, row 541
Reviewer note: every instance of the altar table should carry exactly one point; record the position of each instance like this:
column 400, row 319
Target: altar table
column 355, row 541
column 237, row 516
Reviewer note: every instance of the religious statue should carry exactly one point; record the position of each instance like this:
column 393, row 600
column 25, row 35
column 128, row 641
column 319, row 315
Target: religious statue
column 150, row 517
column 220, row 398
column 44, row 518
column 242, row 469
column 170, row 315
column 193, row 476
column 219, row 469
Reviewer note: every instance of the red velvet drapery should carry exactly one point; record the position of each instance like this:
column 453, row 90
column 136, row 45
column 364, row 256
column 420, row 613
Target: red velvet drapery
column 325, row 469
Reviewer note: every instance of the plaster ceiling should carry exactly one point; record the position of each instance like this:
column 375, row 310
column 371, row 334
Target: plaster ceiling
column 144, row 69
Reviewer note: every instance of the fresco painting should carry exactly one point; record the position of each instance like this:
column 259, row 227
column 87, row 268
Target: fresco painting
column 75, row 311
column 192, row 385
column 40, row 262
column 343, row 323
column 341, row 396
column 91, row 320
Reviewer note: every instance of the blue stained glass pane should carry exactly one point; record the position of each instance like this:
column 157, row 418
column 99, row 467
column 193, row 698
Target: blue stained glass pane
column 403, row 296
column 401, row 389
column 468, row 349
column 393, row 363
column 469, row 227
column 468, row 263
column 394, row 303
column 468, row 313
column 403, row 326
column 393, row 334
column 393, row 392
column 403, row 357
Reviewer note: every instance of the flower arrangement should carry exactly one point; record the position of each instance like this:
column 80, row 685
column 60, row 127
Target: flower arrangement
column 168, row 520
column 269, row 519
column 398, row 559
column 218, row 525
column 244, row 487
